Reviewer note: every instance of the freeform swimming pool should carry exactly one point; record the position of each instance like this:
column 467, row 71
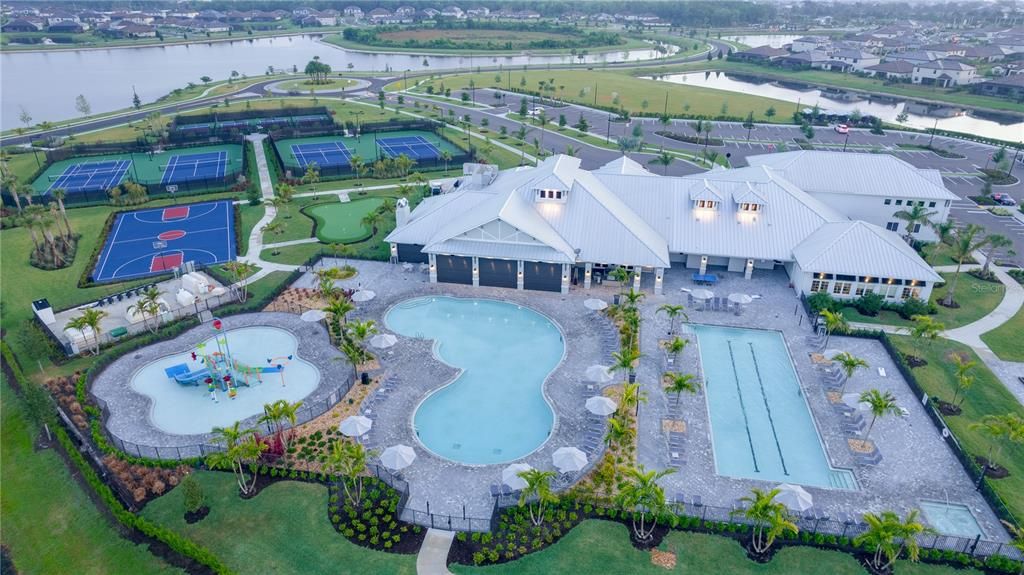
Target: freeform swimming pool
column 186, row 409
column 495, row 410
column 760, row 422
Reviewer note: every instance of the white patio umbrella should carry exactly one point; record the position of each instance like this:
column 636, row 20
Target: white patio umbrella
column 600, row 405
column 363, row 295
column 397, row 457
column 313, row 315
column 595, row 304
column 599, row 374
column 740, row 298
column 383, row 340
column 510, row 475
column 702, row 294
column 568, row 459
column 355, row 425
column 794, row 497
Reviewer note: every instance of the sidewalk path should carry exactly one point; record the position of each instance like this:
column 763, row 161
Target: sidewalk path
column 433, row 556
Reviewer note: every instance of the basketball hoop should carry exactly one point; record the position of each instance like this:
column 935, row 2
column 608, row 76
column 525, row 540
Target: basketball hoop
column 171, row 188
column 159, row 245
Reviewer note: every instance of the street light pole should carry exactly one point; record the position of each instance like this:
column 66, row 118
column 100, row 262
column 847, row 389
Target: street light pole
column 846, row 140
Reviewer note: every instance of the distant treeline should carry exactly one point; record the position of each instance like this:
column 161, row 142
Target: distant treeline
column 570, row 37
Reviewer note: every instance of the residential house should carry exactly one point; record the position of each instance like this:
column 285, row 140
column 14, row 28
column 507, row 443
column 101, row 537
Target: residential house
column 984, row 53
column 946, row 50
column 808, row 43
column 378, row 15
column 211, row 15
column 209, row 26
column 453, row 12
column 59, row 16
column 430, row 13
column 808, row 59
column 915, row 57
column 93, row 17
column 1011, row 87
column 759, row 54
column 352, row 13
column 26, row 24
column 68, row 27
column 857, row 59
column 891, row 70
column 478, row 12
column 944, row 73
column 405, row 12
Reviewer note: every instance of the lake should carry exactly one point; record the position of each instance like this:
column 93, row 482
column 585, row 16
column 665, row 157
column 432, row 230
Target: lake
column 885, row 110
column 47, row 83
column 755, row 40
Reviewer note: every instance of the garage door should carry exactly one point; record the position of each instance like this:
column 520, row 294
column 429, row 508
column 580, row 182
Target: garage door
column 411, row 253
column 455, row 270
column 543, row 277
column 497, row 273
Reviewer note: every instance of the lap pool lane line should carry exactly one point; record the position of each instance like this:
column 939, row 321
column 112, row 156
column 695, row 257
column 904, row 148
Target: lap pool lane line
column 743, row 407
column 771, row 420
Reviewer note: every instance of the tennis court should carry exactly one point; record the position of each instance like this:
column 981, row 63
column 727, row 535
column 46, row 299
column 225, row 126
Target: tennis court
column 416, row 147
column 90, row 176
column 190, row 167
column 154, row 241
column 321, row 153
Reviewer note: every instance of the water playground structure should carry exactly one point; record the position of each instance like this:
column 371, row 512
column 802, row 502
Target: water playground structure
column 219, row 369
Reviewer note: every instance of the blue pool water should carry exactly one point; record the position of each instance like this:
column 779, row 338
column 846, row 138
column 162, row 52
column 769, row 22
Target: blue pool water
column 951, row 519
column 761, row 424
column 495, row 410
column 187, row 409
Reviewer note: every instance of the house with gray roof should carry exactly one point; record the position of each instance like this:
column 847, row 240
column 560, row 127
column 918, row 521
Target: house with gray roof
column 891, row 70
column 944, row 73
column 548, row 227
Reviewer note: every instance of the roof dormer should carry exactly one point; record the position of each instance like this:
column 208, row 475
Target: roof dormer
column 550, row 195
column 705, row 197
column 749, row 201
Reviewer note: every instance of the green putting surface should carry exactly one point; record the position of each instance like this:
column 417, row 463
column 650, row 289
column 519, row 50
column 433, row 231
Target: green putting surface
column 338, row 223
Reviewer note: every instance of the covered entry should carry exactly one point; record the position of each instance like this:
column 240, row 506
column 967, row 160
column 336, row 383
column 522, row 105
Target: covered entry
column 542, row 276
column 411, row 253
column 455, row 270
column 497, row 273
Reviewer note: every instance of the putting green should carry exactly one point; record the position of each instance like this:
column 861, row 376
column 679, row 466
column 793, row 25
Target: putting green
column 342, row 223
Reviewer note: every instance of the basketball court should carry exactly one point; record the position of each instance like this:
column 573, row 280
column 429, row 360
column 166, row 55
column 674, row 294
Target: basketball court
column 157, row 240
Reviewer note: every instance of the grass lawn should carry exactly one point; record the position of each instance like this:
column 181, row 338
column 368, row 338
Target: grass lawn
column 1005, row 340
column 50, row 524
column 580, row 86
column 987, row 396
column 283, row 530
column 305, row 84
column 976, row 298
column 250, row 216
column 603, row 547
column 938, row 254
column 342, row 223
column 25, row 165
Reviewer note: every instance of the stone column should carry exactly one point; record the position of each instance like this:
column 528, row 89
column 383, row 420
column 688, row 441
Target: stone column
column 703, row 265
column 519, row 274
column 636, row 277
column 587, row 275
column 476, row 272
column 566, row 269
column 749, row 269
column 659, row 276
column 433, row 268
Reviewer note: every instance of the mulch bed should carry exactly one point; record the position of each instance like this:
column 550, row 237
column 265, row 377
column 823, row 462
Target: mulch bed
column 262, row 482
column 197, row 516
column 995, row 471
column 914, row 361
column 948, row 408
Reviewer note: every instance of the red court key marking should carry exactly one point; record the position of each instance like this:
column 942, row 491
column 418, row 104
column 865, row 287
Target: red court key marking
column 171, row 235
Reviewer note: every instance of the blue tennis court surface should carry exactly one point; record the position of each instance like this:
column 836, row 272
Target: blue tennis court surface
column 91, row 176
column 157, row 240
column 189, row 167
column 322, row 153
column 416, row 147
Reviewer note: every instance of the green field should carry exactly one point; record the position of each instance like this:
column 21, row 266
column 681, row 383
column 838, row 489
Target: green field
column 1005, row 340
column 338, row 223
column 49, row 523
column 365, row 146
column 282, row 530
column 145, row 168
column 305, row 85
column 602, row 88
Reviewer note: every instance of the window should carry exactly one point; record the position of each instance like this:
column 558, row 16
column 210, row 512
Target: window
column 892, row 226
column 888, row 201
column 947, row 203
column 841, row 288
column 748, row 207
column 899, row 202
column 910, row 292
column 917, row 228
column 819, row 285
column 931, row 204
column 558, row 195
column 707, row 204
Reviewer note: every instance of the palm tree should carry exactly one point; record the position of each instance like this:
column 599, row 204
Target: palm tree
column 880, row 404
column 964, row 379
column 59, row 194
column 673, row 312
column 372, row 220
column 90, row 318
column 996, row 242
column 538, row 483
column 339, row 308
column 273, row 228
column 680, row 382
column 965, row 242
column 1001, row 428
column 236, row 457
column 446, row 157
column 676, row 347
column 925, row 327
column 148, row 307
column 849, row 364
column 312, row 176
column 240, row 272
column 357, row 164
column 663, row 159
column 619, row 432
column 640, row 494
column 620, row 275
column 278, row 412
column 889, row 535
column 624, row 360
column 835, row 322
column 770, row 518
column 360, row 330
column 571, row 150
column 914, row 216
column 634, row 297
column 348, row 460
column 944, row 230
column 1016, row 539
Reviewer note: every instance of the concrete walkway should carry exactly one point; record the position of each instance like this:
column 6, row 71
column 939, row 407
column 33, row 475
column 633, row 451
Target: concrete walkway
column 433, row 556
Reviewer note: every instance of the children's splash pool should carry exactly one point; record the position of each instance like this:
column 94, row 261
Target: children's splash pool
column 190, row 408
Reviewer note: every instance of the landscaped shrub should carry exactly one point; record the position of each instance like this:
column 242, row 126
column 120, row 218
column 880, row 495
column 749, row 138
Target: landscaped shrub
column 194, row 499
column 869, row 304
column 914, row 306
column 820, row 301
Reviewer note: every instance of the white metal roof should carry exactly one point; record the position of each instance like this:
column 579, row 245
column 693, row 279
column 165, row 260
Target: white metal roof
column 859, row 248
column 880, row 175
column 623, row 165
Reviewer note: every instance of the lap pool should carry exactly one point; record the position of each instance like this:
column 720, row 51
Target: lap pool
column 186, row 409
column 761, row 424
column 495, row 410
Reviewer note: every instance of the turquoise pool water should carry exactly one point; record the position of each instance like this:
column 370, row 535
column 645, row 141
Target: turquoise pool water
column 951, row 519
column 760, row 422
column 187, row 409
column 495, row 410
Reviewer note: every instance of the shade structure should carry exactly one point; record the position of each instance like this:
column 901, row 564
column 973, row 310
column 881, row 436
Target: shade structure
column 568, row 459
column 702, row 294
column 510, row 475
column 599, row 374
column 794, row 497
column 740, row 298
column 397, row 457
column 595, row 304
column 355, row 425
column 313, row 315
column 363, row 295
column 383, row 340
column 600, row 405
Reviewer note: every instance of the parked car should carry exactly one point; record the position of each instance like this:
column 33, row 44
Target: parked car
column 1004, row 199
column 842, row 129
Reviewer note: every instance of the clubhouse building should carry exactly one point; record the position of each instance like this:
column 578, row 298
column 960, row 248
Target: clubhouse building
column 827, row 218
